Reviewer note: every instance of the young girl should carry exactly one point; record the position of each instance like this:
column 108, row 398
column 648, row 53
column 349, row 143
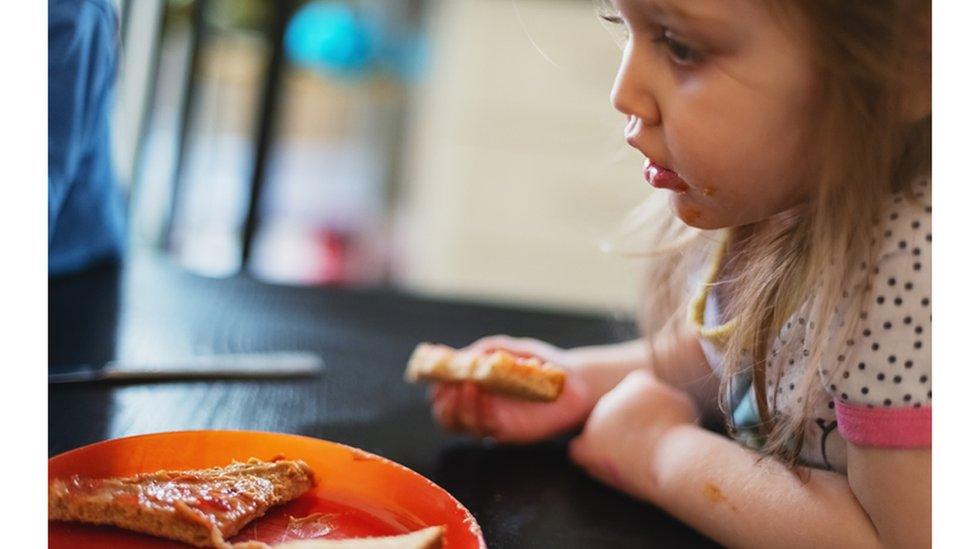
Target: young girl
column 791, row 286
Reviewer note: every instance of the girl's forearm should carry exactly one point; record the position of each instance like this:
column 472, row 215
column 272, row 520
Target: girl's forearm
column 603, row 366
column 723, row 490
column 676, row 359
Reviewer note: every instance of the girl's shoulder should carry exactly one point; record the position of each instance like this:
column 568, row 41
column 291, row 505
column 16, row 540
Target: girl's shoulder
column 883, row 391
column 906, row 220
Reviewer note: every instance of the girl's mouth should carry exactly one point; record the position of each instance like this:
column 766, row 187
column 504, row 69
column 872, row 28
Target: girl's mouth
column 663, row 178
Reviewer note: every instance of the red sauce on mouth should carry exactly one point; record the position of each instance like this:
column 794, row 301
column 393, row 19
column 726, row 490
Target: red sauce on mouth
column 663, row 178
column 666, row 179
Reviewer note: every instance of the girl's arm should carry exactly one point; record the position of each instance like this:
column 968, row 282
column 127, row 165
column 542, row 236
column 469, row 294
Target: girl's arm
column 641, row 438
column 591, row 373
column 674, row 357
column 895, row 488
column 719, row 487
column 678, row 359
column 601, row 367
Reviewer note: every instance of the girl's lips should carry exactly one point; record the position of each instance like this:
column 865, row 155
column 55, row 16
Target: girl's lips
column 663, row 178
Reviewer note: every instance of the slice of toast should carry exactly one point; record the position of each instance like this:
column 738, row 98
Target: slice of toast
column 497, row 371
column 199, row 507
column 428, row 538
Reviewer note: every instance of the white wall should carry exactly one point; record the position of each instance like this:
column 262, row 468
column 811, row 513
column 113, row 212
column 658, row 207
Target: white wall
column 517, row 167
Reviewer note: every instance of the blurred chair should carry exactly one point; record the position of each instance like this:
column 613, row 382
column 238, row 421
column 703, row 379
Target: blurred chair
column 198, row 33
column 174, row 150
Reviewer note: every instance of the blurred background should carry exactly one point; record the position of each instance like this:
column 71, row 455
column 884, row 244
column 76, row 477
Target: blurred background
column 456, row 148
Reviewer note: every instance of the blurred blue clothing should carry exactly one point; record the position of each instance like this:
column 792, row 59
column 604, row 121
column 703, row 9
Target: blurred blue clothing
column 85, row 209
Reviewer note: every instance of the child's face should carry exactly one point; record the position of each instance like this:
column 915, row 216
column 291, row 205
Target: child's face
column 718, row 96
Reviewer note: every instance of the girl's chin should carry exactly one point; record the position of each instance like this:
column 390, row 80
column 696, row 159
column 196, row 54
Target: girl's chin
column 688, row 212
column 696, row 211
column 697, row 216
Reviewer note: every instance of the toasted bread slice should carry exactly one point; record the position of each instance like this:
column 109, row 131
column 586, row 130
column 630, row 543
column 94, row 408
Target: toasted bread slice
column 428, row 538
column 497, row 371
column 199, row 507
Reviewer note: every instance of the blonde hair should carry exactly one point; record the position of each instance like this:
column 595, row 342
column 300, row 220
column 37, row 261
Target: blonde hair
column 873, row 61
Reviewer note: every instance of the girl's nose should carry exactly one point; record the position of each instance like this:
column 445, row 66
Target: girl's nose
column 632, row 94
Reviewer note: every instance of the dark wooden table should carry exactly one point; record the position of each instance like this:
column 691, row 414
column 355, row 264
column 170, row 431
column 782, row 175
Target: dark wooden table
column 522, row 497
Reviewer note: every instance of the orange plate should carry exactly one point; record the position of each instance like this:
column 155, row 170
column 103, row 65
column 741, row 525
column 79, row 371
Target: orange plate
column 358, row 494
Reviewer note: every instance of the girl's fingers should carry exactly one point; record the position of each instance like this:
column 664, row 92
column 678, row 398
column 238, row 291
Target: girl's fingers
column 468, row 413
column 458, row 407
column 434, row 392
column 463, row 407
column 525, row 347
column 492, row 342
column 486, row 411
column 437, row 398
column 445, row 407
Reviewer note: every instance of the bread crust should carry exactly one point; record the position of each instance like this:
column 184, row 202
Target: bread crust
column 497, row 371
column 199, row 507
column 428, row 538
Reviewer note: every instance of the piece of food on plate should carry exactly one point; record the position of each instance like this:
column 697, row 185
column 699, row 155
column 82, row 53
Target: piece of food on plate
column 200, row 507
column 497, row 371
column 428, row 538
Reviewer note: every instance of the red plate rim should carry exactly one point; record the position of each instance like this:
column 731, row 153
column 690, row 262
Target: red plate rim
column 471, row 526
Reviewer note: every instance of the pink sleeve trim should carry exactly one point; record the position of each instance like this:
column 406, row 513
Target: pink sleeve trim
column 885, row 427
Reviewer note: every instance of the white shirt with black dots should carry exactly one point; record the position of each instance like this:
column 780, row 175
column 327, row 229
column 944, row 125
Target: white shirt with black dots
column 883, row 396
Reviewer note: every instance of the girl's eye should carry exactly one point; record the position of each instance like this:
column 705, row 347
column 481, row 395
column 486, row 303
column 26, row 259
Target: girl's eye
column 680, row 52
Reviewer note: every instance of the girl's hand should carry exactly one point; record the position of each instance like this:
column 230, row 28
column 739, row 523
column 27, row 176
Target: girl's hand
column 618, row 442
column 464, row 407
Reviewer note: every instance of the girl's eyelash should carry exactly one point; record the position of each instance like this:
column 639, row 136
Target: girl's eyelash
column 680, row 53
column 619, row 31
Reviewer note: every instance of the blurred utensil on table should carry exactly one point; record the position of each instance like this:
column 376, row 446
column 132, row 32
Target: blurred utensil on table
column 229, row 366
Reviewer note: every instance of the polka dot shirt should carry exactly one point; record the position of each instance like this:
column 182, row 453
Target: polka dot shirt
column 879, row 392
